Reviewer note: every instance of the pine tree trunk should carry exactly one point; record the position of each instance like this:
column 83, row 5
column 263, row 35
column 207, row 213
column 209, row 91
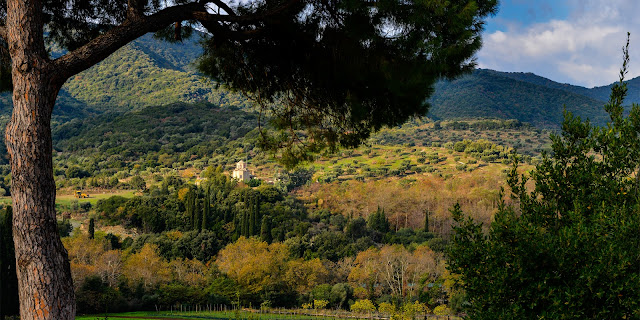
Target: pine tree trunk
column 44, row 276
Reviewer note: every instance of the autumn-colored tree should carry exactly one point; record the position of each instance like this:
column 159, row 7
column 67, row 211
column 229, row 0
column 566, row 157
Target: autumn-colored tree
column 395, row 270
column 366, row 271
column 363, row 306
column 254, row 264
column 109, row 266
column 191, row 272
column 147, row 267
column 303, row 275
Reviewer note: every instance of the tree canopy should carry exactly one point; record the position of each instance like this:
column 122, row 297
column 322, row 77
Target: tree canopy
column 570, row 249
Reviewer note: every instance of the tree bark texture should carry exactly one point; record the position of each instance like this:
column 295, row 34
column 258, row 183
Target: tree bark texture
column 44, row 277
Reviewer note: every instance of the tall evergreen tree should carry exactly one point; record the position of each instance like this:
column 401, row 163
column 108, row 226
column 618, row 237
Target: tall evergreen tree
column 92, row 228
column 265, row 229
column 426, row 220
column 197, row 217
column 355, row 65
column 245, row 223
column 190, row 207
column 252, row 220
column 378, row 221
column 206, row 213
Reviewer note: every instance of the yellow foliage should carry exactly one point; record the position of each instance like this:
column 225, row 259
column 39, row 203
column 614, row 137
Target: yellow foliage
column 442, row 310
column 414, row 308
column 182, row 193
column 364, row 305
column 305, row 275
column 188, row 173
column 254, row 264
column 174, row 235
column 147, row 267
column 386, row 307
column 320, row 304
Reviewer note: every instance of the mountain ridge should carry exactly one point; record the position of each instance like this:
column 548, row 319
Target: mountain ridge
column 150, row 72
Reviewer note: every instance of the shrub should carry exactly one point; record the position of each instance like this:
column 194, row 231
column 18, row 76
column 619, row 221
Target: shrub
column 363, row 306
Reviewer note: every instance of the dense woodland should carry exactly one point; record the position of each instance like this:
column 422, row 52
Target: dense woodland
column 192, row 235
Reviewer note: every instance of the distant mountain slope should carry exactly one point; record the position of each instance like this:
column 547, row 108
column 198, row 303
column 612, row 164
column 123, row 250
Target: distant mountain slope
column 598, row 93
column 67, row 107
column 195, row 128
column 151, row 72
column 491, row 94
column 148, row 72
column 633, row 95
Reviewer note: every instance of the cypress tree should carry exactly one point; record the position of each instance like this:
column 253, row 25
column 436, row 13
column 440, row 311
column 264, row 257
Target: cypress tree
column 190, row 208
column 378, row 221
column 426, row 221
column 245, row 223
column 265, row 229
column 92, row 228
column 281, row 235
column 252, row 221
column 256, row 215
column 206, row 213
column 198, row 216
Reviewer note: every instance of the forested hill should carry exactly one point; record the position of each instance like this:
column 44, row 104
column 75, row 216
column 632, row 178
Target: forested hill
column 492, row 94
column 146, row 72
column 150, row 72
column 599, row 93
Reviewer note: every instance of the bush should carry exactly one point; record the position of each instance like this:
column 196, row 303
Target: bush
column 442, row 310
column 363, row 306
column 386, row 307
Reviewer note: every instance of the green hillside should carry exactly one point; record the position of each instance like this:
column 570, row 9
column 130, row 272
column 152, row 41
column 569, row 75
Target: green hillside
column 599, row 93
column 488, row 94
column 161, row 134
column 148, row 72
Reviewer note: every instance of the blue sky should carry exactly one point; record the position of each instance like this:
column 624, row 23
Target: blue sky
column 569, row 41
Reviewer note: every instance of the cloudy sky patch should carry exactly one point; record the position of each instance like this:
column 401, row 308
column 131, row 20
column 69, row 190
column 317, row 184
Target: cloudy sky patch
column 569, row 41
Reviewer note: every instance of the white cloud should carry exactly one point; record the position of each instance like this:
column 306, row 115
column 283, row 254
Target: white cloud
column 584, row 49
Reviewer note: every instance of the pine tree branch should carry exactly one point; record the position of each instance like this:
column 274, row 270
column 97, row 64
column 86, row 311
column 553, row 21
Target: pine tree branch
column 102, row 46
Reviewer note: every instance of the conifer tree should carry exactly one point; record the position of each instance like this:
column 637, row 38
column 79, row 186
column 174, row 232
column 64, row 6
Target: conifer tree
column 92, row 228
column 426, row 220
column 265, row 229
column 206, row 213
column 197, row 217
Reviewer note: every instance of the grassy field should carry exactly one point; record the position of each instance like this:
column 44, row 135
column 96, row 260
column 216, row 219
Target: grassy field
column 244, row 315
column 66, row 199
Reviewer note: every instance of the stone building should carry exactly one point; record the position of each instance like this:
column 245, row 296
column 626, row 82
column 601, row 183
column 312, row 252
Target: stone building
column 241, row 173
